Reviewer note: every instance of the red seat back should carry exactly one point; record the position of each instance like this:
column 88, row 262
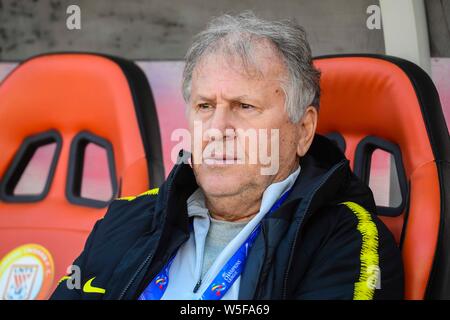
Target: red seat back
column 90, row 117
column 388, row 103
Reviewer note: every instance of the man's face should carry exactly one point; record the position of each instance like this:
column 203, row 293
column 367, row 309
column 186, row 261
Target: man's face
column 236, row 103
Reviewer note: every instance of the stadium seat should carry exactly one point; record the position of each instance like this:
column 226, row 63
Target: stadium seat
column 372, row 102
column 77, row 130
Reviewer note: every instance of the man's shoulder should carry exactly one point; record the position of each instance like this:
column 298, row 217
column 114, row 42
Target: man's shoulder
column 348, row 224
column 349, row 217
column 348, row 247
column 144, row 195
column 130, row 212
column 140, row 204
column 125, row 220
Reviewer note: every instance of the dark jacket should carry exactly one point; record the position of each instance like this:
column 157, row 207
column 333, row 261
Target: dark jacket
column 324, row 242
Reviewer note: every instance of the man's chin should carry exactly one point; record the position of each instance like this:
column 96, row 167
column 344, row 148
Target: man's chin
column 220, row 190
column 222, row 186
column 222, row 181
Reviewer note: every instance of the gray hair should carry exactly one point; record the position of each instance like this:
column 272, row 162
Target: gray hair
column 238, row 35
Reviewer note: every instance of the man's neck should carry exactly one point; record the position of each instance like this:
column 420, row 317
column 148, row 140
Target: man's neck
column 239, row 207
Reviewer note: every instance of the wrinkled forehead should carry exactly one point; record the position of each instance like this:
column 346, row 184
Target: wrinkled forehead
column 257, row 64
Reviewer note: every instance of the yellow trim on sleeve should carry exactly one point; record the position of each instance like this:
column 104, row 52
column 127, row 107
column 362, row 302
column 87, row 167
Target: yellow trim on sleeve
column 146, row 193
column 63, row 279
column 370, row 270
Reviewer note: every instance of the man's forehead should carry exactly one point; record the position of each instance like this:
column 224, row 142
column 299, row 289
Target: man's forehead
column 209, row 77
column 207, row 88
column 261, row 67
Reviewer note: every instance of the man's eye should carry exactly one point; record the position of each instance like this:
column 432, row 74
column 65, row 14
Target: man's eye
column 204, row 106
column 246, row 106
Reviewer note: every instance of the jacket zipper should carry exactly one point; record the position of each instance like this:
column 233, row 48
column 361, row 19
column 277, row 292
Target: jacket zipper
column 297, row 232
column 147, row 259
column 135, row 275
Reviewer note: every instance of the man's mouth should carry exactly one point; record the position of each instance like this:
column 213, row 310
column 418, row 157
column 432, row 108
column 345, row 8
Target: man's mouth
column 221, row 160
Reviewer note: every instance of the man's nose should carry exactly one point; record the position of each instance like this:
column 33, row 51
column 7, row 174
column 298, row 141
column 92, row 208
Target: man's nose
column 221, row 121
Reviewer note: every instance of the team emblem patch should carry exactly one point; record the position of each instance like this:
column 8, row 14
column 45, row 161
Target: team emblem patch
column 26, row 273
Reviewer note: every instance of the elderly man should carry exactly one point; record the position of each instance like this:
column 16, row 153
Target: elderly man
column 222, row 227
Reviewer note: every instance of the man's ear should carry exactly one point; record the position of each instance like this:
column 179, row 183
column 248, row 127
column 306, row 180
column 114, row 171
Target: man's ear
column 307, row 128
